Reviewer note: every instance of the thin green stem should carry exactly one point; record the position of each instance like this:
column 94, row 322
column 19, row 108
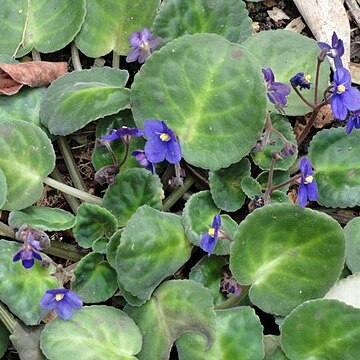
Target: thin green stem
column 82, row 195
column 320, row 60
column 233, row 300
column 73, row 202
column 70, row 164
column 115, row 60
column 7, row 318
column 308, row 103
column 6, row 230
column 65, row 251
column 75, row 57
column 275, row 187
column 177, row 194
column 35, row 55
column 270, row 180
column 310, row 124
column 126, row 154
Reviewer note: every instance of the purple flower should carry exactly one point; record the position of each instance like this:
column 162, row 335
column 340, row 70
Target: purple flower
column 301, row 80
column 124, row 132
column 27, row 256
column 63, row 301
column 162, row 143
column 143, row 161
column 143, row 44
column 345, row 97
column 208, row 240
column 353, row 122
column 308, row 188
column 335, row 51
column 276, row 91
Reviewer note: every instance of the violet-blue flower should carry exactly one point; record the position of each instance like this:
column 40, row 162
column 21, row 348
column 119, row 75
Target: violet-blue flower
column 208, row 240
column 27, row 255
column 161, row 143
column 276, row 91
column 345, row 97
column 143, row 161
column 308, row 189
column 301, row 80
column 353, row 122
column 124, row 132
column 143, row 44
column 335, row 50
column 63, row 301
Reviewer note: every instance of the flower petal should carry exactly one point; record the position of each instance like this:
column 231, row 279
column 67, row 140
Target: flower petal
column 48, row 301
column 338, row 108
column 351, row 99
column 216, row 224
column 312, row 190
column 152, row 128
column 342, row 76
column 155, row 150
column 133, row 55
column 73, row 300
column 28, row 263
column 302, row 195
column 63, row 309
column 17, row 256
column 173, row 152
column 207, row 243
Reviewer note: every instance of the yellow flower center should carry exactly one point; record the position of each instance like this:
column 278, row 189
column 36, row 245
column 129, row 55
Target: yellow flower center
column 340, row 89
column 309, row 179
column 59, row 297
column 211, row 231
column 307, row 77
column 164, row 137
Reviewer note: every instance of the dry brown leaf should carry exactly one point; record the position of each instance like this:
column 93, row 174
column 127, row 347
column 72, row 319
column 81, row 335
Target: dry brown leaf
column 34, row 74
column 269, row 3
column 324, row 117
column 296, row 25
column 355, row 73
column 277, row 14
column 255, row 27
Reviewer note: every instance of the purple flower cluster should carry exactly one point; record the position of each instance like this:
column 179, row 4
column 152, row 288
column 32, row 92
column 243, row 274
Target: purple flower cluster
column 276, row 91
column 308, row 189
column 28, row 252
column 62, row 301
column 345, row 98
column 143, row 44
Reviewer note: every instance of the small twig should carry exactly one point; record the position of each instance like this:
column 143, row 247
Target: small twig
column 21, row 43
column 308, row 103
column 269, row 183
column 177, row 194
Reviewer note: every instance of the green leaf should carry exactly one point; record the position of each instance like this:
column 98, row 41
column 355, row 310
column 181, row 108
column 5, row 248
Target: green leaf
column 352, row 244
column 278, row 178
column 322, row 329
column 94, row 332
column 4, row 339
column 263, row 158
column 26, row 341
column 95, row 279
column 108, row 27
column 215, row 101
column 44, row 25
column 346, row 290
column 129, row 298
column 25, row 105
column 198, row 215
column 100, row 245
column 101, row 156
column 239, row 335
column 16, row 291
column 92, row 223
column 251, row 187
column 42, row 218
column 77, row 98
column 223, row 17
column 288, row 255
column 273, row 46
column 112, row 247
column 208, row 272
column 334, row 155
column 176, row 307
column 225, row 185
column 153, row 246
column 29, row 157
column 131, row 189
